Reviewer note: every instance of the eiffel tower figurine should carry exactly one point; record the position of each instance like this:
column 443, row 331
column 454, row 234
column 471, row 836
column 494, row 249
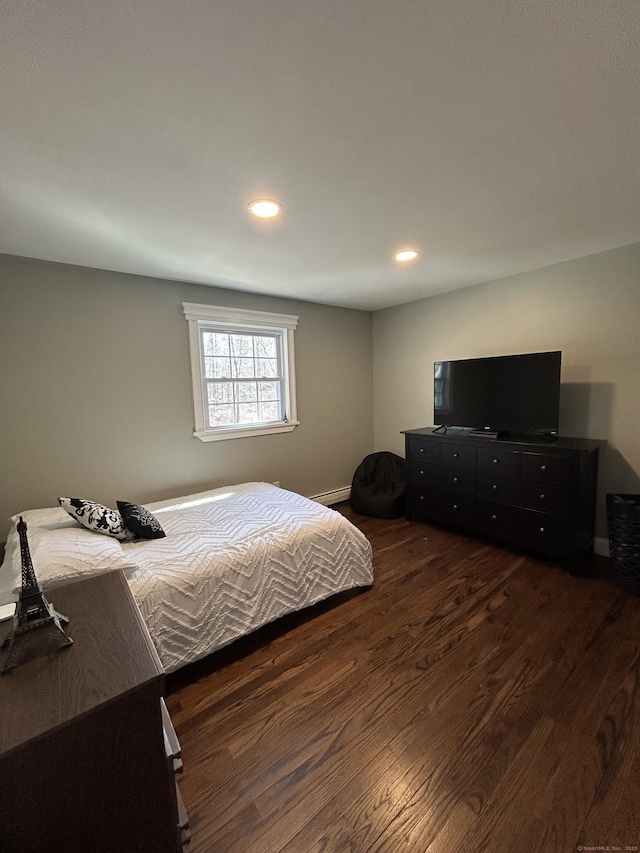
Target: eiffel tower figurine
column 37, row 628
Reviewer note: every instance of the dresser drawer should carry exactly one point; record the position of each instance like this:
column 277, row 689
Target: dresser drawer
column 498, row 488
column 431, row 502
column 547, row 497
column 494, row 460
column 457, row 479
column 423, row 451
column 547, row 468
column 496, row 519
column 444, row 477
column 458, row 455
column 548, row 533
column 423, row 472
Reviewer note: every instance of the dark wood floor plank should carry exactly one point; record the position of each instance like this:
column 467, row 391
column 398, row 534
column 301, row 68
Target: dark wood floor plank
column 427, row 713
column 455, row 826
column 374, row 716
column 501, row 725
column 378, row 712
column 567, row 645
column 419, row 749
column 259, row 724
column 614, row 753
column 564, row 790
column 525, row 779
column 336, row 737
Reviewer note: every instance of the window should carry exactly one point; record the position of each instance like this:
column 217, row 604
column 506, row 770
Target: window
column 243, row 371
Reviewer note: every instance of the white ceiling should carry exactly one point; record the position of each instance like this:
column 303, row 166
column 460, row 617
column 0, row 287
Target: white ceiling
column 497, row 136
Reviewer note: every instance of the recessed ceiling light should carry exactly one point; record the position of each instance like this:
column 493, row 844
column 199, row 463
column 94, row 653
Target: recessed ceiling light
column 407, row 255
column 265, row 208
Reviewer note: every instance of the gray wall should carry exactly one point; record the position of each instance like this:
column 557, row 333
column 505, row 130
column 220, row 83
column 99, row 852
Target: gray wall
column 95, row 387
column 588, row 308
column 95, row 392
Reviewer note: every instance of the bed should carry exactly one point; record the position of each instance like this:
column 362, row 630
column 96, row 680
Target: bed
column 233, row 560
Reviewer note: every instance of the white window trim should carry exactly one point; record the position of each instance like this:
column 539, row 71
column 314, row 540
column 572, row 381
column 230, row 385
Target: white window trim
column 284, row 324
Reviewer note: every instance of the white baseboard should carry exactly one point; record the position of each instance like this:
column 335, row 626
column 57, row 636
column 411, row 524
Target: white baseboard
column 334, row 497
column 601, row 546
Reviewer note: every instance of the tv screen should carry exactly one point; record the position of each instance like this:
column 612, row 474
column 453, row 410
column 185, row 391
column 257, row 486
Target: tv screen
column 510, row 393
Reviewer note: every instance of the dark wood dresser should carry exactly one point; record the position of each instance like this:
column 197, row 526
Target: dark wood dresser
column 87, row 750
column 533, row 493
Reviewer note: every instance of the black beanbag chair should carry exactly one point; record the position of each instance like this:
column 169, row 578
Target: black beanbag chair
column 378, row 487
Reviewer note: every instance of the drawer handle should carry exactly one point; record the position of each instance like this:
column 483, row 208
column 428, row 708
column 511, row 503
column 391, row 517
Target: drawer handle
column 543, row 467
column 456, row 455
column 421, row 497
column 455, row 479
column 495, row 487
column 422, row 450
column 422, row 473
column 455, row 506
column 495, row 461
column 542, row 530
column 543, row 497
column 494, row 518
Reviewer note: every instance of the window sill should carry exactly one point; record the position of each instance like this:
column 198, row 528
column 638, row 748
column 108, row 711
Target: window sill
column 244, row 432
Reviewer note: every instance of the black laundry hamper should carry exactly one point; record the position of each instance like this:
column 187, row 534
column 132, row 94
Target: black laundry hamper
column 378, row 487
column 623, row 517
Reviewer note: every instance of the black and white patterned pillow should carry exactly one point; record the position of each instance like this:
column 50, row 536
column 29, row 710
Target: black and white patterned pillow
column 142, row 523
column 96, row 517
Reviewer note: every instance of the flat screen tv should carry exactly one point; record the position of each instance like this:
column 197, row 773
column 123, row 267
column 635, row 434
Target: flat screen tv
column 504, row 394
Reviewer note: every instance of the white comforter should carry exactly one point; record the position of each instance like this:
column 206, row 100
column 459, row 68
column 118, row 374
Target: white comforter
column 233, row 560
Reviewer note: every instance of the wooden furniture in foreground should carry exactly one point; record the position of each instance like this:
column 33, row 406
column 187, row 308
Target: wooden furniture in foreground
column 533, row 493
column 87, row 751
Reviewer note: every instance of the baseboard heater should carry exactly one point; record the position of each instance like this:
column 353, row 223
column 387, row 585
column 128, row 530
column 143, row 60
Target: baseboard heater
column 333, row 497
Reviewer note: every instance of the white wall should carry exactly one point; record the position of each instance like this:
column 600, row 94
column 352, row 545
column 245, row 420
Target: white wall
column 588, row 308
column 95, row 392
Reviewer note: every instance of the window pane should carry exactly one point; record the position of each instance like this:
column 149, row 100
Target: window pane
column 215, row 343
column 247, row 413
column 265, row 347
column 266, row 367
column 268, row 391
column 269, row 412
column 242, row 367
column 242, row 345
column 244, row 374
column 220, row 392
column 221, row 415
column 216, row 367
column 246, row 391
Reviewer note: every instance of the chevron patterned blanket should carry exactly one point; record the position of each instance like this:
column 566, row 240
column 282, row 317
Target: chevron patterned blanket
column 233, row 560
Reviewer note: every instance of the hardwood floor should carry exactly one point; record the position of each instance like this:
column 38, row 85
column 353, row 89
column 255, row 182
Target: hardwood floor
column 474, row 699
